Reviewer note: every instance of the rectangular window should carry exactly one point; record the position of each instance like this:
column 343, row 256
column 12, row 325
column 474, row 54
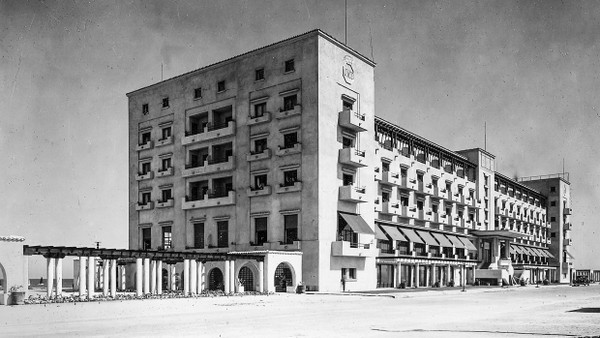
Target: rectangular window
column 197, row 93
column 146, row 168
column 167, row 238
column 166, row 133
column 146, row 137
column 199, row 235
column 290, row 228
column 348, row 142
column 165, row 102
column 146, row 239
column 347, row 105
column 552, row 219
column 552, row 189
column 352, row 273
column 166, row 163
column 553, row 203
column 260, row 145
column 260, row 230
column 289, row 102
column 260, row 109
column 259, row 74
column 223, row 234
column 289, row 140
column 290, row 66
column 385, row 166
column 220, row 86
column 166, row 195
column 348, row 179
column 145, row 109
column 290, row 177
column 260, row 182
column 385, row 196
column 146, row 197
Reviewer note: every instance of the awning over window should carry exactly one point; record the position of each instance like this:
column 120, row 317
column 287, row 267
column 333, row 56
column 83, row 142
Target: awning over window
column 394, row 233
column 428, row 238
column 457, row 243
column 569, row 254
column 545, row 253
column 528, row 251
column 470, row 246
column 516, row 249
column 357, row 224
column 537, row 252
column 379, row 234
column 548, row 254
column 442, row 239
column 412, row 236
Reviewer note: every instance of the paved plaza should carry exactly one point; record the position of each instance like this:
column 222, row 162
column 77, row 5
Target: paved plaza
column 548, row 311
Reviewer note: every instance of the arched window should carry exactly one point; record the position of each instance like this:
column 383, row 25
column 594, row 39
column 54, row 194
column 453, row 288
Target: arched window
column 215, row 280
column 283, row 277
column 246, row 278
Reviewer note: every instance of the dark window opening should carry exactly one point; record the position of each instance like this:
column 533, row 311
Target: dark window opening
column 145, row 109
column 289, row 178
column 167, row 238
column 260, row 109
column 289, row 140
column 223, row 234
column 348, row 179
column 290, row 228
column 220, row 86
column 260, row 145
column 165, row 102
column 289, row 102
column 260, row 230
column 199, row 235
column 146, row 239
column 259, row 74
column 260, row 182
column 197, row 93
column 290, row 66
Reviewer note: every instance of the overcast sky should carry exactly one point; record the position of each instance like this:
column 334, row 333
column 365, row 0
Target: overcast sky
column 530, row 69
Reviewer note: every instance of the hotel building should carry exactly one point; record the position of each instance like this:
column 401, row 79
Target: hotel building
column 278, row 152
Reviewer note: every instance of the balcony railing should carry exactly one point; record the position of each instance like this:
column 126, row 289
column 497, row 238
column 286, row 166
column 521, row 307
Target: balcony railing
column 353, row 249
column 252, row 120
column 145, row 146
column 258, row 191
column 289, row 187
column 214, row 199
column 210, row 132
column 164, row 172
column 144, row 206
column 165, row 203
column 210, row 166
column 145, row 176
column 289, row 149
column 256, row 156
column 284, row 113
column 164, row 141
column 351, row 193
column 353, row 157
column 352, row 120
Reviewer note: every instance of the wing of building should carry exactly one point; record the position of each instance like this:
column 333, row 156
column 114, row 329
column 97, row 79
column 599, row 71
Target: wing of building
column 279, row 150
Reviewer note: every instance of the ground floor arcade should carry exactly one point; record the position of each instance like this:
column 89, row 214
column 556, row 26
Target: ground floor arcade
column 422, row 272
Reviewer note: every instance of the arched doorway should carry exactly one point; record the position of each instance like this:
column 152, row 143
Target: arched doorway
column 3, row 281
column 246, row 277
column 215, row 280
column 283, row 277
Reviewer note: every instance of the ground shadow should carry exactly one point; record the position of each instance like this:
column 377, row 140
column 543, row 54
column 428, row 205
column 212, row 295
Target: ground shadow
column 587, row 310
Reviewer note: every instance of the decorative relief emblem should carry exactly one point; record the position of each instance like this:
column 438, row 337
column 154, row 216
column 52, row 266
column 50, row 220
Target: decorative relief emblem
column 348, row 69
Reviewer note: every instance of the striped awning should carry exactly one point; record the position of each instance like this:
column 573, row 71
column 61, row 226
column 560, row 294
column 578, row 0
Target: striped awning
column 412, row 235
column 393, row 232
column 470, row 246
column 357, row 223
column 517, row 249
column 428, row 238
column 379, row 234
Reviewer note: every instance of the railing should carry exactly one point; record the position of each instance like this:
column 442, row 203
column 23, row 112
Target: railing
column 194, row 165
column 359, row 116
column 356, row 245
column 194, row 132
column 288, row 184
column 161, row 170
column 256, row 188
column 288, row 146
column 219, row 194
column 360, row 189
column 216, row 126
column 194, row 198
column 564, row 176
column 218, row 159
column 359, row 153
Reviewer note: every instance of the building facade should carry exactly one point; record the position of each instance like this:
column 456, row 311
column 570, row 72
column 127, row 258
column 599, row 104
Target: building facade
column 278, row 150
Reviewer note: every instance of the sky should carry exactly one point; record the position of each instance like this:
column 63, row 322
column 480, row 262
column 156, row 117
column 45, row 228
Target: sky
column 529, row 70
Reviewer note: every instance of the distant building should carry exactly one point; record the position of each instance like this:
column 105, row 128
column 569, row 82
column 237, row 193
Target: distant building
column 279, row 150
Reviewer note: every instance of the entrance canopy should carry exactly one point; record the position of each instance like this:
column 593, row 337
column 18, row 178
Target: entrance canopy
column 357, row 223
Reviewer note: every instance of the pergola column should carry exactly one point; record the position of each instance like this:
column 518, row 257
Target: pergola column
column 59, row 276
column 427, row 275
column 50, row 262
column 123, row 277
column 146, row 275
column 200, row 277
column 159, row 277
column 113, row 278
column 433, row 274
column 473, row 277
column 261, row 276
column 226, row 277
column 105, row 276
column 193, row 277
column 398, row 275
column 448, row 277
column 139, row 270
column 186, row 275
column 82, row 275
column 153, row 276
column 91, row 276
column 173, row 277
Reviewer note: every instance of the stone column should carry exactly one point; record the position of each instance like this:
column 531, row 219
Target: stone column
column 433, row 274
column 226, row 277
column 473, row 277
column 139, row 277
column 186, row 275
column 82, row 274
column 105, row 276
column 417, row 273
column 59, row 276
column 91, row 276
column 200, row 272
column 50, row 263
column 427, row 275
column 113, row 278
column 146, row 275
column 172, row 277
column 261, row 277
column 193, row 277
column 397, row 275
column 232, row 280
column 153, row 276
column 123, row 277
column 159, row 277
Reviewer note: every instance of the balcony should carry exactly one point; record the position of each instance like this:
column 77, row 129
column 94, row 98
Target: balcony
column 254, row 192
column 147, row 176
column 378, row 206
column 209, row 167
column 282, row 246
column 165, row 204
column 390, row 208
column 349, row 249
column 145, row 146
column 164, row 172
column 164, row 141
column 282, row 114
column 352, row 120
column 210, row 132
column 253, row 156
column 147, row 206
column 284, row 188
column 259, row 119
column 568, row 211
column 295, row 149
column 390, row 178
column 352, row 157
column 211, row 201
column 351, row 193
column 568, row 226
column 567, row 242
column 378, row 174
